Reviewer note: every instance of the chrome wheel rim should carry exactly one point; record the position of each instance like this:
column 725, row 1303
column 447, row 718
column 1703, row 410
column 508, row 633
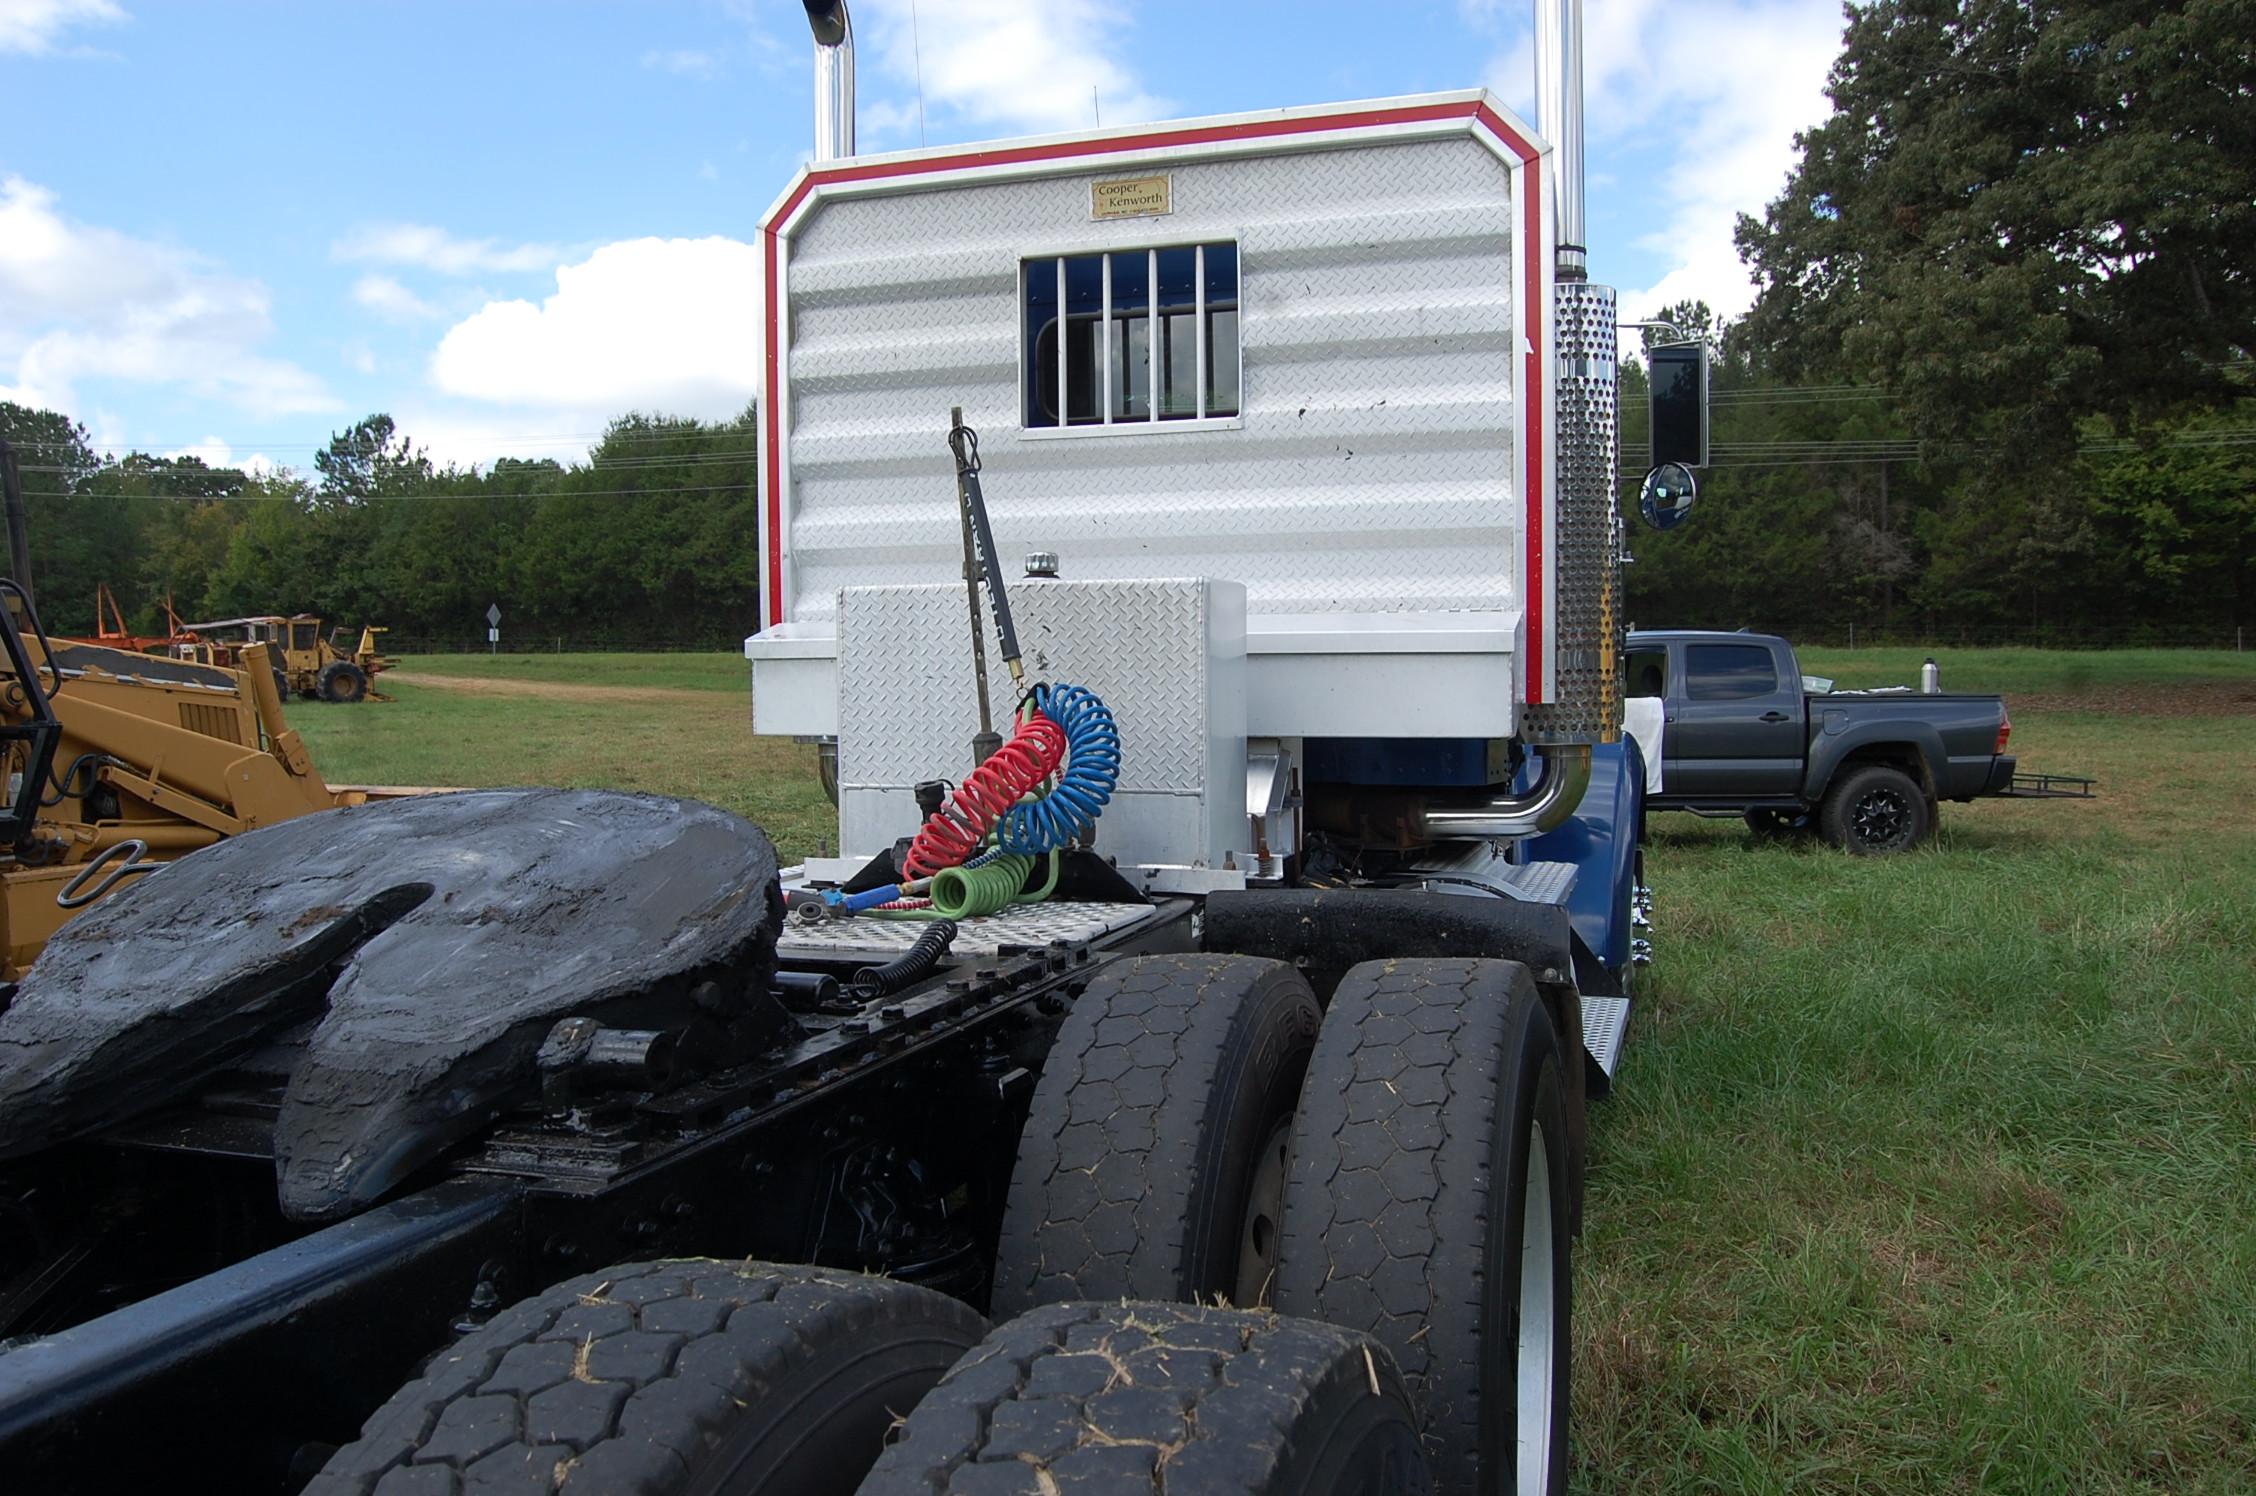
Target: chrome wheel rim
column 1537, row 1361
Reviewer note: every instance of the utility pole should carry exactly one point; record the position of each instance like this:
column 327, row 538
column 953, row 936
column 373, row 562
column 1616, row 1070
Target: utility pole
column 19, row 533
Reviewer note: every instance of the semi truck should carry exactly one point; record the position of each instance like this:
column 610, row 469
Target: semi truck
column 1192, row 549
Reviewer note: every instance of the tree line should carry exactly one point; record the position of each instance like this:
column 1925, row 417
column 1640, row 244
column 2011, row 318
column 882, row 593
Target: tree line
column 1996, row 385
column 1997, row 376
column 648, row 542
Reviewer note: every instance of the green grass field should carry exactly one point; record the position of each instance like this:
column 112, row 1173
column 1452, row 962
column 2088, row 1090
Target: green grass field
column 688, row 672
column 1927, row 1174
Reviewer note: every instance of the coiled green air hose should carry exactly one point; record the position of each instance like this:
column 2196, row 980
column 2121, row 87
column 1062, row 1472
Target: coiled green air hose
column 965, row 892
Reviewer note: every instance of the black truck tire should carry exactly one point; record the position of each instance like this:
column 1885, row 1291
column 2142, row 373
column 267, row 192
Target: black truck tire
column 666, row 1379
column 1152, row 1162
column 1428, row 1205
column 1875, row 809
column 1126, row 1398
column 341, row 681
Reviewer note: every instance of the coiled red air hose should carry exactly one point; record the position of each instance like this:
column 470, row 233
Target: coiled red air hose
column 955, row 831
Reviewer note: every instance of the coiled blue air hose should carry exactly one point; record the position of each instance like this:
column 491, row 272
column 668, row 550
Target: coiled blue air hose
column 1092, row 770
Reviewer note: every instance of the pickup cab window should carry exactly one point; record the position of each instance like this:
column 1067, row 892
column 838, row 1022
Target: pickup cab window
column 1728, row 672
column 1648, row 672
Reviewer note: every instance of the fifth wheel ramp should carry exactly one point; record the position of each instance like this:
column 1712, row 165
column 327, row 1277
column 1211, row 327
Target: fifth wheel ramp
column 436, row 940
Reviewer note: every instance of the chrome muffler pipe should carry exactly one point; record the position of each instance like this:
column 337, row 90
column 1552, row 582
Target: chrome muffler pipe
column 1546, row 807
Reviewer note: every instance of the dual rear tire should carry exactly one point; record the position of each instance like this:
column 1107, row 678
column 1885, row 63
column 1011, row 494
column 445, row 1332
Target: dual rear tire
column 1411, row 1147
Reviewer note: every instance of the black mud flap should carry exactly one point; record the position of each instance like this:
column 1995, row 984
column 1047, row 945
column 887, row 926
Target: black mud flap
column 435, row 939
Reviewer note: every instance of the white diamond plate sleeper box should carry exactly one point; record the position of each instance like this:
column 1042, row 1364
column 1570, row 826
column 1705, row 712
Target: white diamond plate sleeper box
column 1383, row 494
column 1167, row 657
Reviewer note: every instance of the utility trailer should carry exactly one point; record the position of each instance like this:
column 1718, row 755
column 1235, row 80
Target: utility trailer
column 1235, row 910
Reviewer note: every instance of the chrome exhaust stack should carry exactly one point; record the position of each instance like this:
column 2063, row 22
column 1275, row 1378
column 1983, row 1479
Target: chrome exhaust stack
column 1586, row 704
column 1545, row 807
column 834, row 78
column 1558, row 114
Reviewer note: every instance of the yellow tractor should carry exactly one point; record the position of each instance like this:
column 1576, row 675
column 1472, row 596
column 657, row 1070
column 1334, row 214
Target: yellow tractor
column 117, row 763
column 315, row 667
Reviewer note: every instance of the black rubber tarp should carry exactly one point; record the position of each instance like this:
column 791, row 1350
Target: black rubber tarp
column 438, row 938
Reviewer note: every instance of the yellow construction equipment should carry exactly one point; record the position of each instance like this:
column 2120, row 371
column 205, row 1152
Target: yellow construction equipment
column 317, row 667
column 116, row 763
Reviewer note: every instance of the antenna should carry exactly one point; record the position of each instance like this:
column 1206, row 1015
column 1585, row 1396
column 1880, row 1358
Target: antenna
column 916, row 51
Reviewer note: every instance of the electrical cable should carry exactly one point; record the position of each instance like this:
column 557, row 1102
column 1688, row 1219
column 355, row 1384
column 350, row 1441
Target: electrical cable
column 907, row 969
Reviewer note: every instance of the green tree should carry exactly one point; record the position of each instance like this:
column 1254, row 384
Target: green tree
column 372, row 459
column 2022, row 213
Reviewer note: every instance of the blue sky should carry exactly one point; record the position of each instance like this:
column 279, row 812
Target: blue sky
column 237, row 227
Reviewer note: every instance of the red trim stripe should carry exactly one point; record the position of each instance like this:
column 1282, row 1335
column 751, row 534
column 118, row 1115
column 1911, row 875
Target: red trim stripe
column 1532, row 481
column 774, row 428
column 1520, row 146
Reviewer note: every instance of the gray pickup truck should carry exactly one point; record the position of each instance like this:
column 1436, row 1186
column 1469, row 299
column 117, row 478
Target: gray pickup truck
column 1746, row 734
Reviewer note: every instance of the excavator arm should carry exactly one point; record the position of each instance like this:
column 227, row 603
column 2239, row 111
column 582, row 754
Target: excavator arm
column 143, row 759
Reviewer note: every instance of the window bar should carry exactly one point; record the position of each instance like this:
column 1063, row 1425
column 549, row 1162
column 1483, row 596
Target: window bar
column 1198, row 319
column 1065, row 401
column 1151, row 333
column 1104, row 343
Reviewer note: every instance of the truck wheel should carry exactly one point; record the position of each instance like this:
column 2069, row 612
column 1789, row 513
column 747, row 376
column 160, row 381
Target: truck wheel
column 1152, row 1164
column 1428, row 1206
column 1137, row 1397
column 663, row 1378
column 341, row 681
column 1876, row 809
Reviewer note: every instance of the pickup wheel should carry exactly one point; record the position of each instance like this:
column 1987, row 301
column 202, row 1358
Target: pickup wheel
column 666, row 1379
column 1429, row 1204
column 1123, row 1398
column 1876, row 809
column 1152, row 1165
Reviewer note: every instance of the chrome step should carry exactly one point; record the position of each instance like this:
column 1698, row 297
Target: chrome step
column 1540, row 882
column 1605, row 1023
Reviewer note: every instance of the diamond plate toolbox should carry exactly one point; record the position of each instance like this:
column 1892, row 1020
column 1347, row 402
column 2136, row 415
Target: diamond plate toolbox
column 1167, row 656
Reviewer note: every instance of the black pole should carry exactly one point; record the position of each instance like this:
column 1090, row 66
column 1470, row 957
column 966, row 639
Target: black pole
column 986, row 740
column 19, row 532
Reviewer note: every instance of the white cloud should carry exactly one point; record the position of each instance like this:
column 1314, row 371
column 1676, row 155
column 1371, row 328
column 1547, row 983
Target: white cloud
column 31, row 26
column 431, row 248
column 388, row 299
column 1725, row 84
column 78, row 301
column 685, row 61
column 465, row 437
column 651, row 324
column 215, row 452
column 1004, row 66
